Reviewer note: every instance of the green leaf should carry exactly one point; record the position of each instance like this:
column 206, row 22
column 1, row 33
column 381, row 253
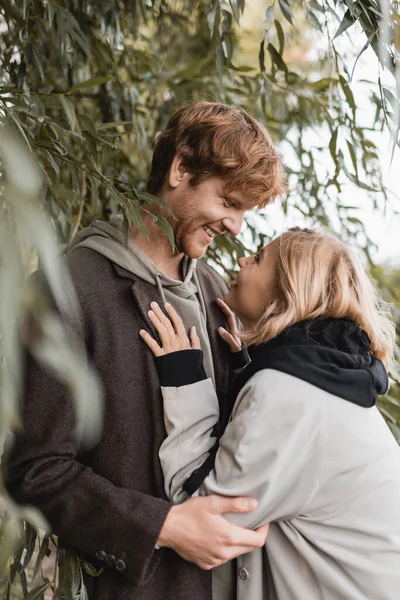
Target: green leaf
column 69, row 109
column 92, row 145
column 38, row 592
column 90, row 83
column 261, row 57
column 346, row 22
column 43, row 551
column 353, row 157
column 166, row 227
column 269, row 14
column 277, row 58
column 332, row 145
column 146, row 197
column 90, row 569
column 281, row 36
column 286, row 10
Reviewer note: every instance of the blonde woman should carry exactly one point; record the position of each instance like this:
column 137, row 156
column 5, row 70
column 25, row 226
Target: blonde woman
column 304, row 437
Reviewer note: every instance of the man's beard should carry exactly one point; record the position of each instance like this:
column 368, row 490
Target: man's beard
column 186, row 229
column 185, row 243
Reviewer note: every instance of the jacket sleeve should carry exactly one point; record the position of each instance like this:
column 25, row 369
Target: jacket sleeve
column 271, row 449
column 112, row 526
column 190, row 413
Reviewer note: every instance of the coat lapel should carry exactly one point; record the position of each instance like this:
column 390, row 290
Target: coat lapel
column 219, row 349
column 143, row 293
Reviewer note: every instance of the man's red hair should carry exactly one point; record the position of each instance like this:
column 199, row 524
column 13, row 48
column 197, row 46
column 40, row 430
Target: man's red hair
column 216, row 140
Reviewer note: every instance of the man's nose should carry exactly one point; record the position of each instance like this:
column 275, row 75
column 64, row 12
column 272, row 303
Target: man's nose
column 233, row 223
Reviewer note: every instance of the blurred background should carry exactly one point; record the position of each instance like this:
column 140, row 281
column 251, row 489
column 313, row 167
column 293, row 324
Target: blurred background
column 85, row 87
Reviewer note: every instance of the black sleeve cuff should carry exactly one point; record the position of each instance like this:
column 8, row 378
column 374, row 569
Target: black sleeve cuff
column 240, row 359
column 181, row 368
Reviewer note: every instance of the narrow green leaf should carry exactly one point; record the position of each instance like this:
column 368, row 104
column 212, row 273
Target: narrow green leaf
column 166, row 227
column 261, row 57
column 90, row 83
column 18, row 124
column 281, row 36
column 332, row 145
column 353, row 157
column 38, row 592
column 69, row 110
column 146, row 197
column 286, row 10
column 269, row 14
column 277, row 58
column 346, row 22
column 43, row 550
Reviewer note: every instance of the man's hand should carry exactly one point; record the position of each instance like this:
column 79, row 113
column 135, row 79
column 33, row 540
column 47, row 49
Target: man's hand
column 198, row 532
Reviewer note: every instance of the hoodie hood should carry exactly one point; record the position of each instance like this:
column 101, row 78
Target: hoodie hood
column 185, row 296
column 108, row 239
column 332, row 354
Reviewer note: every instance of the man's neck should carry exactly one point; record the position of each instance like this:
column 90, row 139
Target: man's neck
column 158, row 249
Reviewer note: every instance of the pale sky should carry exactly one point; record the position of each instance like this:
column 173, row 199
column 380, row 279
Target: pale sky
column 384, row 230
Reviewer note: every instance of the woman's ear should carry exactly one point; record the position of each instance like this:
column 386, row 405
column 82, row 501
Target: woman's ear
column 177, row 172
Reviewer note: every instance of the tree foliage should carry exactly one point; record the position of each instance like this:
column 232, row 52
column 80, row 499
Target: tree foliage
column 86, row 86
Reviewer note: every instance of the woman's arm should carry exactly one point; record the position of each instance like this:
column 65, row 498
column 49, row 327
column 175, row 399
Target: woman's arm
column 271, row 449
column 190, row 413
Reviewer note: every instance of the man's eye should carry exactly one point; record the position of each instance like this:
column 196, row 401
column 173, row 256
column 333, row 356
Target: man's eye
column 228, row 203
column 257, row 258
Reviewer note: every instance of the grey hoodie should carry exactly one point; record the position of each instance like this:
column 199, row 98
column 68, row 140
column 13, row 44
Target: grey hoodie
column 185, row 296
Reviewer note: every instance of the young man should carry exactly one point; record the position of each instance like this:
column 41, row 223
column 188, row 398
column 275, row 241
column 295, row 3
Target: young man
column 210, row 165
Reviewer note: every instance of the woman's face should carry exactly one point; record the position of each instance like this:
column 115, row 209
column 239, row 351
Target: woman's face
column 255, row 285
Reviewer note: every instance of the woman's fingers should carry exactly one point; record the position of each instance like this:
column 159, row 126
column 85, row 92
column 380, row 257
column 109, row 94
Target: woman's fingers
column 175, row 319
column 152, row 344
column 194, row 339
column 230, row 315
column 224, row 307
column 233, row 330
column 232, row 342
column 164, row 320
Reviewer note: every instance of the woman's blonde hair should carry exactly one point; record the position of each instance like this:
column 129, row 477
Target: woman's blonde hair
column 318, row 276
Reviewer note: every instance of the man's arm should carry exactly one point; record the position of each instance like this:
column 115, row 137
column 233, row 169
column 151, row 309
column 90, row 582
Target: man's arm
column 121, row 526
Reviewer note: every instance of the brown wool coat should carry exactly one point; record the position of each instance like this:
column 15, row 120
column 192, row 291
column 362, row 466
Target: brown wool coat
column 111, row 499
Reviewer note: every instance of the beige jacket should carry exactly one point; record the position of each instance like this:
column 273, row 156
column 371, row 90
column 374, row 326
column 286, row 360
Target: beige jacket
column 325, row 472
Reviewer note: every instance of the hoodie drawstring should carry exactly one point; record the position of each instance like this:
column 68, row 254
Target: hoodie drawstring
column 160, row 287
column 197, row 283
column 202, row 303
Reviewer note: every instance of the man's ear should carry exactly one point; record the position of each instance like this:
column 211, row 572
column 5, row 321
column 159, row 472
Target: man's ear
column 177, row 172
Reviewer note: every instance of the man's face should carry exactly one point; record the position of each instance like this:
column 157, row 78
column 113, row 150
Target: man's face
column 203, row 212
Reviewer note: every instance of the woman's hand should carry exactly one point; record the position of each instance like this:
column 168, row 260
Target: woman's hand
column 170, row 330
column 231, row 337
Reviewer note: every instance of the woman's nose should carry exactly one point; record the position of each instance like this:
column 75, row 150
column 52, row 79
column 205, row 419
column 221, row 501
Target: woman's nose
column 242, row 261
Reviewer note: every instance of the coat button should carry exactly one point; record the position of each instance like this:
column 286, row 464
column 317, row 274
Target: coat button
column 243, row 573
column 110, row 559
column 120, row 565
column 101, row 555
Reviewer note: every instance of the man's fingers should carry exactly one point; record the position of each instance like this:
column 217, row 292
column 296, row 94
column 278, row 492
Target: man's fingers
column 223, row 504
column 194, row 339
column 248, row 537
column 263, row 529
column 152, row 344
